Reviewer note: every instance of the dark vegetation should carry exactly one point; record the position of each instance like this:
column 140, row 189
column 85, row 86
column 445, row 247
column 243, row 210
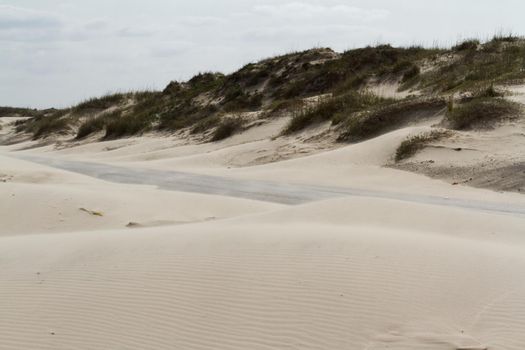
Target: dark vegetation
column 388, row 117
column 499, row 60
column 18, row 112
column 227, row 127
column 45, row 124
column 96, row 124
column 412, row 145
column 333, row 109
column 98, row 104
column 278, row 85
column 480, row 113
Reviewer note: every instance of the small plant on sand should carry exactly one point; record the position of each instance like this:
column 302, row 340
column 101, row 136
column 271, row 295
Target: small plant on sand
column 205, row 124
column 126, row 126
column 469, row 44
column 481, row 113
column 227, row 127
column 99, row 103
column 412, row 145
column 96, row 124
column 388, row 117
column 335, row 109
column 42, row 126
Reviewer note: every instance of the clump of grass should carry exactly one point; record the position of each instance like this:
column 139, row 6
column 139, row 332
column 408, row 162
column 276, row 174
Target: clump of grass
column 227, row 127
column 388, row 117
column 481, row 113
column 18, row 112
column 126, row 126
column 499, row 60
column 505, row 37
column 279, row 107
column 54, row 122
column 236, row 99
column 206, row 124
column 51, row 125
column 335, row 109
column 469, row 44
column 487, row 91
column 412, row 145
column 97, row 124
column 99, row 103
column 411, row 73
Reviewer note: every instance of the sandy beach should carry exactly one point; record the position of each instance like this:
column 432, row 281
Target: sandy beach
column 91, row 264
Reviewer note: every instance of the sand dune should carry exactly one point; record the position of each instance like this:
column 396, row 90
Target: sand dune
column 346, row 273
column 39, row 199
column 241, row 285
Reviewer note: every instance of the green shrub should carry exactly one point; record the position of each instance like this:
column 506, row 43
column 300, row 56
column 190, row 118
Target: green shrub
column 126, row 126
column 96, row 124
column 205, row 124
column 387, row 117
column 416, row 143
column 327, row 109
column 469, row 44
column 481, row 113
column 99, row 103
column 22, row 112
column 50, row 125
column 488, row 91
column 227, row 127
column 411, row 73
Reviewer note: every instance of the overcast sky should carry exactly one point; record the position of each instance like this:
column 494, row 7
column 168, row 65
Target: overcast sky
column 57, row 52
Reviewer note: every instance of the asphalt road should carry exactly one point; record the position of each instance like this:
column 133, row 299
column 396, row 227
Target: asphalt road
column 277, row 192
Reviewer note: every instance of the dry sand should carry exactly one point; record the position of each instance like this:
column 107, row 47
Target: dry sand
column 348, row 273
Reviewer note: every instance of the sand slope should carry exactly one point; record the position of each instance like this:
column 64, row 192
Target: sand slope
column 40, row 199
column 348, row 273
column 314, row 285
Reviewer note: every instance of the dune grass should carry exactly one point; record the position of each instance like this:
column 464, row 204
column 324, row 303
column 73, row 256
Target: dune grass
column 332, row 109
column 385, row 118
column 96, row 124
column 412, row 145
column 227, row 127
column 481, row 113
column 100, row 103
column 279, row 85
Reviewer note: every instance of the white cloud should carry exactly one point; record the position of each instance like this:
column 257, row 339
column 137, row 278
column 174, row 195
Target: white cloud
column 56, row 52
column 12, row 17
column 318, row 12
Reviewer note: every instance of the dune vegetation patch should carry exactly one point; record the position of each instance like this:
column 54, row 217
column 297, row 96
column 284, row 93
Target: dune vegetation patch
column 100, row 103
column 58, row 122
column 96, row 124
column 332, row 109
column 481, row 113
column 414, row 144
column 388, row 117
column 227, row 127
column 284, row 86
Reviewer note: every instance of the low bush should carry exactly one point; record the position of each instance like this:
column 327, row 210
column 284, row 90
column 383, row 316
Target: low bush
column 388, row 117
column 411, row 73
column 412, row 145
column 96, row 124
column 335, row 109
column 126, row 126
column 227, row 127
column 205, row 124
column 99, row 103
column 481, row 113
column 46, row 126
column 470, row 44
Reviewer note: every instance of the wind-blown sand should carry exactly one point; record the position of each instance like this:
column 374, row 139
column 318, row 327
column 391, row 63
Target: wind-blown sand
column 347, row 273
